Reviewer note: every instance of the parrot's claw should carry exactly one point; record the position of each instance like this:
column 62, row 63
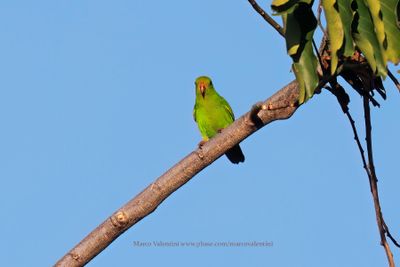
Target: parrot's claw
column 201, row 143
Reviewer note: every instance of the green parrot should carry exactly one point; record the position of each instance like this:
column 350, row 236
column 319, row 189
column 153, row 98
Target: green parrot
column 212, row 114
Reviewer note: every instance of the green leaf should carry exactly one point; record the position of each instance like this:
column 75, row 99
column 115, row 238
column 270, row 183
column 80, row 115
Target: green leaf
column 293, row 34
column 335, row 30
column 398, row 14
column 391, row 45
column 306, row 75
column 299, row 30
column 376, row 14
column 346, row 16
column 287, row 6
column 365, row 38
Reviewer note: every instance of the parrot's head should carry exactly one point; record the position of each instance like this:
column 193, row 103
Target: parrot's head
column 203, row 84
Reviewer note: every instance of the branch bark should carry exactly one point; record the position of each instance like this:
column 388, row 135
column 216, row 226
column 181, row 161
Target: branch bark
column 148, row 200
column 267, row 17
column 373, row 181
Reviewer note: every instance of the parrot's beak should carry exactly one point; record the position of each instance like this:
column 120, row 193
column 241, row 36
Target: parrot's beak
column 202, row 88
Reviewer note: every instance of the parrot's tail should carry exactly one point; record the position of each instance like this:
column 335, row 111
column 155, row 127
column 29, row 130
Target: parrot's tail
column 235, row 154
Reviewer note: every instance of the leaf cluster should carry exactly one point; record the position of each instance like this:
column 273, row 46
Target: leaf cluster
column 363, row 36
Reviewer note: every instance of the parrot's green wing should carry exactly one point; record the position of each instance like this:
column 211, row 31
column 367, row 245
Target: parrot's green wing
column 194, row 112
column 227, row 107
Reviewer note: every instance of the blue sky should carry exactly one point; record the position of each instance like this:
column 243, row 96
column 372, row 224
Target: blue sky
column 96, row 102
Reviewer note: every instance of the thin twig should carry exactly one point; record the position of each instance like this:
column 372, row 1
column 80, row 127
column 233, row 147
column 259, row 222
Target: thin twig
column 390, row 235
column 373, row 180
column 267, row 17
column 316, row 49
column 357, row 139
column 369, row 168
column 319, row 11
column 395, row 81
column 346, row 111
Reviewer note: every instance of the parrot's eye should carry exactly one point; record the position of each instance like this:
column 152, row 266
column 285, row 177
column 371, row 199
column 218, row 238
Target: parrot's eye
column 210, row 82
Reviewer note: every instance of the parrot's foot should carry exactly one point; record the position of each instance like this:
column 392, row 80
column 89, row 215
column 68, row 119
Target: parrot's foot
column 201, row 143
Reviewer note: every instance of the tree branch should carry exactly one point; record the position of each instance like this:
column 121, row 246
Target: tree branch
column 394, row 80
column 343, row 100
column 152, row 196
column 267, row 17
column 373, row 181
